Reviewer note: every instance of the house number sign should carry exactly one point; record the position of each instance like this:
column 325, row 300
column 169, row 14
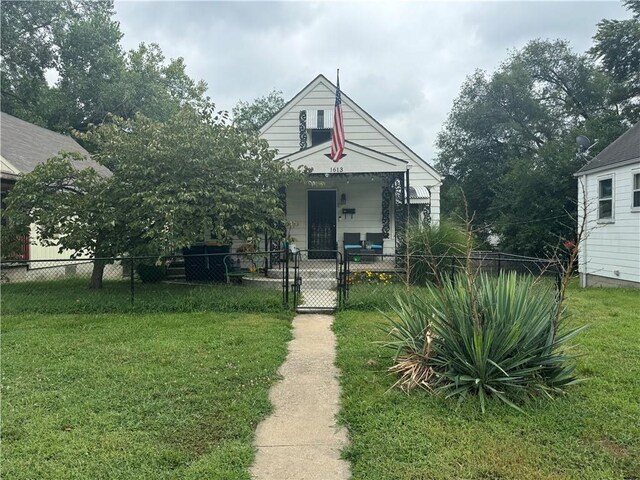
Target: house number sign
column 336, row 169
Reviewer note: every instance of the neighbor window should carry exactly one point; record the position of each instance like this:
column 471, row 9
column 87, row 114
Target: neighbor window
column 605, row 199
column 636, row 191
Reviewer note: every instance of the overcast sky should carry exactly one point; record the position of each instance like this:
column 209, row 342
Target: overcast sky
column 402, row 62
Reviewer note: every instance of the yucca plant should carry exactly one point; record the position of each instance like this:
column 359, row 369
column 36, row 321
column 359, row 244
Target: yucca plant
column 411, row 341
column 489, row 337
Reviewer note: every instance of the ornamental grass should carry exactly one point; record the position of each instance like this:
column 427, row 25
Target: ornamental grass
column 482, row 337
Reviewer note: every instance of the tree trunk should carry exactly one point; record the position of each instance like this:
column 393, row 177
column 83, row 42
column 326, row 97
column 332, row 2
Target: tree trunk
column 96, row 274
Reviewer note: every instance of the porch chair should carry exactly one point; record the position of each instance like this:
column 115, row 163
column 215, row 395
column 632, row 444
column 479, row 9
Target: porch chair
column 374, row 242
column 352, row 244
column 234, row 272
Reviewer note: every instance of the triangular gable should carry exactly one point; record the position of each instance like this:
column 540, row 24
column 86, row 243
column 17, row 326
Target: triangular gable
column 377, row 126
column 357, row 159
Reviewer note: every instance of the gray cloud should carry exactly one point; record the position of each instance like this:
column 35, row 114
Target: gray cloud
column 402, row 62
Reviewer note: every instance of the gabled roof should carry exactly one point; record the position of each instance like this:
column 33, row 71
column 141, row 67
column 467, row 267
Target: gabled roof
column 24, row 145
column 625, row 149
column 355, row 107
column 361, row 159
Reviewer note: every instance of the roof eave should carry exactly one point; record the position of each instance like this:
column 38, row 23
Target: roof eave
column 611, row 166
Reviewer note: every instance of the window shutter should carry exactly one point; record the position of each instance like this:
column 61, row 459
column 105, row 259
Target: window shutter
column 319, row 119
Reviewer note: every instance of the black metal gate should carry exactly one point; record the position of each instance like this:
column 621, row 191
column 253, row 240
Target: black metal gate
column 319, row 280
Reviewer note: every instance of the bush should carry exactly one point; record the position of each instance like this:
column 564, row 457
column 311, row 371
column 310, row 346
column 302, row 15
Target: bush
column 484, row 337
column 151, row 273
column 432, row 249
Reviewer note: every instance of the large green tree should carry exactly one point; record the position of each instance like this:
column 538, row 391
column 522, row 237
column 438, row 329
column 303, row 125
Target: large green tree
column 32, row 35
column 617, row 48
column 79, row 42
column 508, row 143
column 251, row 116
column 171, row 180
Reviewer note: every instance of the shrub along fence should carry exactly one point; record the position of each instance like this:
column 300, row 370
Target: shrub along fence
column 372, row 279
column 244, row 282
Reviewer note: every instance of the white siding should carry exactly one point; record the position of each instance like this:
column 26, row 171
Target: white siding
column 283, row 135
column 37, row 251
column 615, row 246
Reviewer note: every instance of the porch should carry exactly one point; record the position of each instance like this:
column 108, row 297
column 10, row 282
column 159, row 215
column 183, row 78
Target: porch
column 358, row 205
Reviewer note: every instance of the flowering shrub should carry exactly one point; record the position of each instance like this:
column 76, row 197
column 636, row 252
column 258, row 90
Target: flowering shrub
column 372, row 278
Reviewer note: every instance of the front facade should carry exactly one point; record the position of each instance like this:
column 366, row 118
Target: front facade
column 610, row 183
column 371, row 191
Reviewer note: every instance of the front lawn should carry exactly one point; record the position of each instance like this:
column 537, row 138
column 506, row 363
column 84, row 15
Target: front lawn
column 74, row 296
column 144, row 396
column 592, row 433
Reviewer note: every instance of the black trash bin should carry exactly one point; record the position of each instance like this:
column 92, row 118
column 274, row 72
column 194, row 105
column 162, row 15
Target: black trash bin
column 205, row 263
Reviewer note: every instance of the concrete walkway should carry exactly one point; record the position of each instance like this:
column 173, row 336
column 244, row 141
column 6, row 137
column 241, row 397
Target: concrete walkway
column 300, row 440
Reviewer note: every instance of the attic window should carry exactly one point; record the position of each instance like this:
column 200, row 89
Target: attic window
column 319, row 119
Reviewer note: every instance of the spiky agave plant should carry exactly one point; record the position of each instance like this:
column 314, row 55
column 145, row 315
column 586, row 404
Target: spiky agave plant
column 411, row 341
column 482, row 337
column 498, row 337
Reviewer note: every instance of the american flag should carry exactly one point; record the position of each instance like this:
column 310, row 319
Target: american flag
column 337, row 135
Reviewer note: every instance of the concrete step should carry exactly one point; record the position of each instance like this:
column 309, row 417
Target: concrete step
column 304, row 273
column 265, row 282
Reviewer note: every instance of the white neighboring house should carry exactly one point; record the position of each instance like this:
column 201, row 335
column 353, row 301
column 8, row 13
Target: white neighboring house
column 610, row 182
column 369, row 191
column 23, row 146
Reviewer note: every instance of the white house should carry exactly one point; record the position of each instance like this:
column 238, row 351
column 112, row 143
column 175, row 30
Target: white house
column 610, row 183
column 23, row 146
column 371, row 190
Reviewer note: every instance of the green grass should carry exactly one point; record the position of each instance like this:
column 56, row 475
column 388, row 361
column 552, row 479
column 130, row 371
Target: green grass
column 136, row 396
column 372, row 297
column 591, row 433
column 74, row 296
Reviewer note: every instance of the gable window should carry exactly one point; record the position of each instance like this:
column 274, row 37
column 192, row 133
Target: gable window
column 605, row 199
column 636, row 192
column 319, row 124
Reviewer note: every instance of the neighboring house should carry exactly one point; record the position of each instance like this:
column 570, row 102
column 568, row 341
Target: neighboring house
column 371, row 190
column 23, row 146
column 610, row 183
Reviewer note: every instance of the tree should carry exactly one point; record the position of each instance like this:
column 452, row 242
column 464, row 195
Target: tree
column 509, row 143
column 32, row 33
column 250, row 117
column 171, row 181
column 73, row 207
column 617, row 47
column 80, row 41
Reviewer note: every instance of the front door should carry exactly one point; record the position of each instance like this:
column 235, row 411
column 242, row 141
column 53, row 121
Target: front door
column 322, row 223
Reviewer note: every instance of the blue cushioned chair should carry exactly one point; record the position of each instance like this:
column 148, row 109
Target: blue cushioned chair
column 352, row 243
column 374, row 243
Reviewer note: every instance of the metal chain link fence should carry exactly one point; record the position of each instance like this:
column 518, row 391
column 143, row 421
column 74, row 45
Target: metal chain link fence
column 250, row 282
column 373, row 279
column 247, row 282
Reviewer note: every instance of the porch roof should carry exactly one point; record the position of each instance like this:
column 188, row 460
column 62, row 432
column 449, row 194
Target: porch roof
column 357, row 159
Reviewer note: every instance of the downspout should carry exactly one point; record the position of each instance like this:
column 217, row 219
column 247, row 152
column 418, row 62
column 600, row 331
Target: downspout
column 584, row 202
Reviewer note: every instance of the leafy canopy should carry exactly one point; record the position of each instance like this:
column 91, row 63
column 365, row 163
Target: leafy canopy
column 171, row 182
column 79, row 42
column 509, row 143
column 250, row 117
